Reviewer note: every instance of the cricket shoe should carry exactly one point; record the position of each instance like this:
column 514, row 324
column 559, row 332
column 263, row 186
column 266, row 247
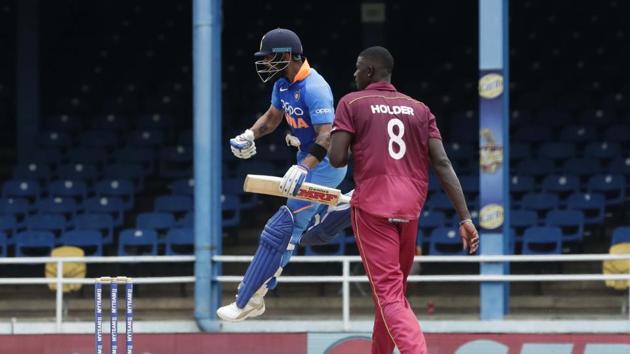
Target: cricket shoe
column 254, row 308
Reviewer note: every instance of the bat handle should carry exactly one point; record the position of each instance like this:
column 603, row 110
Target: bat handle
column 343, row 199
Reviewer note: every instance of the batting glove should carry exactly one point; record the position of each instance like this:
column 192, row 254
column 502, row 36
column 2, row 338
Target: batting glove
column 292, row 140
column 293, row 179
column 243, row 145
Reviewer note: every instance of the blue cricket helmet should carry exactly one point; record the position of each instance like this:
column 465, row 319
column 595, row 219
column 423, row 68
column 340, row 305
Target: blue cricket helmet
column 273, row 45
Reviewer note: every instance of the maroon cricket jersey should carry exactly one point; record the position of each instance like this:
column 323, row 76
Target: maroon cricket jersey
column 390, row 149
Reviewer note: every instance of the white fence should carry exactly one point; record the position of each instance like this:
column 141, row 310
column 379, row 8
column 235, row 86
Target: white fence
column 345, row 278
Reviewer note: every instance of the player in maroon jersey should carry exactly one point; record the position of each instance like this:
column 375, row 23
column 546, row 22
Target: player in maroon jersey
column 393, row 138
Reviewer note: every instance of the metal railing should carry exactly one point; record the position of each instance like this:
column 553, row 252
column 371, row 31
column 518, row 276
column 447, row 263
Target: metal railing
column 345, row 278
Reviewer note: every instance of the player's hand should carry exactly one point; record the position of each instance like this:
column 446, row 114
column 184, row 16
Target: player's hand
column 293, row 179
column 292, row 140
column 469, row 235
column 243, row 145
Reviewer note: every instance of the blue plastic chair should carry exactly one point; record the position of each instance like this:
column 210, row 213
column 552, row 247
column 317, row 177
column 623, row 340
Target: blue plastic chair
column 617, row 133
column 440, row 202
column 90, row 241
column 520, row 151
column 155, row 121
column 459, row 151
column 620, row 235
column 67, row 207
column 136, row 155
column 34, row 243
column 188, row 221
column 535, row 167
column 562, row 185
column 176, row 162
column 119, row 188
column 613, row 187
column 571, row 222
column 88, row 156
column 102, row 139
column 50, row 156
column 556, row 151
column 446, row 241
column 521, row 220
column 64, row 123
column 542, row 240
column 127, row 171
column 602, row 151
column 582, row 167
column 106, row 205
column 180, row 241
column 591, row 204
column 32, row 171
column 540, row 203
column 103, row 223
column 17, row 207
column 25, row 189
column 231, row 209
column 78, row 172
column 145, row 138
column 112, row 122
column 470, row 186
column 519, row 186
column 429, row 221
column 8, row 226
column 175, row 204
column 533, row 134
column 235, row 186
column 54, row 139
column 75, row 189
column 578, row 134
column 160, row 222
column 141, row 241
column 4, row 245
column 621, row 166
column 183, row 187
column 54, row 223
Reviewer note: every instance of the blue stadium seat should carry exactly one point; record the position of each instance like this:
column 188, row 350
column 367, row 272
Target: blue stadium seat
column 521, row 220
column 17, row 207
column 591, row 204
column 430, row 220
column 175, row 204
column 535, row 167
column 571, row 222
column 78, row 172
column 556, row 151
column 185, row 138
column 4, row 245
column 88, row 156
column 49, row 156
column 613, row 187
column 231, row 209
column 541, row 203
column 519, row 186
column 100, row 139
column 602, row 151
column 578, row 134
column 91, row 241
column 64, row 123
column 180, row 241
column 176, row 162
column 8, row 226
column 520, row 151
column 470, row 186
column 155, row 121
column 67, row 207
column 33, row 171
column 533, row 134
column 183, row 187
column 54, row 139
column 127, row 171
column 145, row 138
column 55, row 223
column 621, row 166
column 542, row 240
column 118, row 188
column 561, row 185
column 34, row 243
column 235, row 186
column 459, row 151
column 21, row 188
column 76, row 189
column 446, row 241
column 188, row 221
column 103, row 223
column 160, row 222
column 620, row 234
column 582, row 167
column 136, row 155
column 132, row 242
column 440, row 201
column 275, row 153
column 112, row 122
column 618, row 133
column 106, row 205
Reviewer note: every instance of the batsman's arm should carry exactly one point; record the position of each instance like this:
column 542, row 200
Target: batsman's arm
column 268, row 122
column 448, row 178
column 323, row 140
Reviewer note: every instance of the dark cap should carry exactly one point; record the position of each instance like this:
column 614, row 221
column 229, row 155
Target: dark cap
column 279, row 40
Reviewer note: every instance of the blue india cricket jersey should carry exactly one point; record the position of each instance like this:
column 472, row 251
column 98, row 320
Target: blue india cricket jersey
column 306, row 101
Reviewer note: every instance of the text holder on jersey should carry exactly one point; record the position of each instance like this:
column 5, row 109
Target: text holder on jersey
column 311, row 192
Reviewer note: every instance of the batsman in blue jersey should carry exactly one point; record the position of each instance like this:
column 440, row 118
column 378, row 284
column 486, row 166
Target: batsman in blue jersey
column 304, row 100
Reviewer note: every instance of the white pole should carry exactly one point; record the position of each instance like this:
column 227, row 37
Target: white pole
column 59, row 302
column 346, row 295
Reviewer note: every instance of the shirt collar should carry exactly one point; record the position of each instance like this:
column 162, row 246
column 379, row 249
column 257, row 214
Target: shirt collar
column 380, row 86
column 304, row 71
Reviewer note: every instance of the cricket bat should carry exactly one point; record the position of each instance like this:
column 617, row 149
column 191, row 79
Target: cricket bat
column 270, row 185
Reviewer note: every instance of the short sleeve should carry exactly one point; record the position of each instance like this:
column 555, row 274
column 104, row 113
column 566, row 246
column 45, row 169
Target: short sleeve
column 343, row 118
column 434, row 132
column 275, row 100
column 319, row 102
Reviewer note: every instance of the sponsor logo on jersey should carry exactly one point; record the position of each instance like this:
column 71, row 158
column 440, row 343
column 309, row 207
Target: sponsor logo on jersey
column 323, row 110
column 386, row 109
